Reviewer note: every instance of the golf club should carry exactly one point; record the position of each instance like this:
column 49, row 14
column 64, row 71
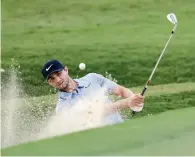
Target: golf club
column 172, row 18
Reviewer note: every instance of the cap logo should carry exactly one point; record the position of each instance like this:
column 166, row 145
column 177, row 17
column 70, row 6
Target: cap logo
column 47, row 69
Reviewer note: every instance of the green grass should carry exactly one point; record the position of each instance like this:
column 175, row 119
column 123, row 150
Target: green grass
column 124, row 39
column 169, row 133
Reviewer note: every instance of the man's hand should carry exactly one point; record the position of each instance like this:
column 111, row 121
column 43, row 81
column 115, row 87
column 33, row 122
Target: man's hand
column 136, row 100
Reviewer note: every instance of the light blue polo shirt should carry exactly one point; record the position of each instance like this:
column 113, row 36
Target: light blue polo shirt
column 89, row 85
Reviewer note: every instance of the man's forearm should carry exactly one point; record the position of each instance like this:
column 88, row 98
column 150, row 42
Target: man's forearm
column 118, row 105
column 122, row 92
column 126, row 93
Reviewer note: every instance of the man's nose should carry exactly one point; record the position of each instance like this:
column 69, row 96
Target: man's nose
column 57, row 79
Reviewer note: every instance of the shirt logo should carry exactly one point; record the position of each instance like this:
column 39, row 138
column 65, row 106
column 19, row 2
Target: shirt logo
column 88, row 85
column 63, row 98
column 47, row 69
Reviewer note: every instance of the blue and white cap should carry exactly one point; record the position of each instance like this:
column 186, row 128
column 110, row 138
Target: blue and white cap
column 50, row 67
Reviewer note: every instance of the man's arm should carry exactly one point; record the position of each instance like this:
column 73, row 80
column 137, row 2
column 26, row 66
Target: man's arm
column 113, row 87
column 134, row 101
column 130, row 99
column 122, row 91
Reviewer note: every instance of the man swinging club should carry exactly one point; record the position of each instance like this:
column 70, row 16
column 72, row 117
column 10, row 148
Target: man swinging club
column 70, row 90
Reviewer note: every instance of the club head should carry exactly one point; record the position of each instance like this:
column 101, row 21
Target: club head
column 172, row 18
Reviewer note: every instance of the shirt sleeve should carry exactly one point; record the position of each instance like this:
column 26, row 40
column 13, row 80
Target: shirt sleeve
column 104, row 82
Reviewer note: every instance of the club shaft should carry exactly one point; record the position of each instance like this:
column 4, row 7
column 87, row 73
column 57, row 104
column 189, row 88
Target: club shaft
column 162, row 53
column 154, row 69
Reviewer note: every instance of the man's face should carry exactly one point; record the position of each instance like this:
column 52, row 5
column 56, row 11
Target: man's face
column 59, row 79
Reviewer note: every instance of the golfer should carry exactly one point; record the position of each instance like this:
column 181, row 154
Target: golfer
column 70, row 90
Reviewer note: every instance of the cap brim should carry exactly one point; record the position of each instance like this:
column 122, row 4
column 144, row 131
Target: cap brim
column 57, row 70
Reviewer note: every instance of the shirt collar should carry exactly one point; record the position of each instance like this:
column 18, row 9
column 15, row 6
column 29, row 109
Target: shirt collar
column 80, row 84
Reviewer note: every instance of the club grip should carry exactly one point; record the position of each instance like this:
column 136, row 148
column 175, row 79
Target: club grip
column 143, row 91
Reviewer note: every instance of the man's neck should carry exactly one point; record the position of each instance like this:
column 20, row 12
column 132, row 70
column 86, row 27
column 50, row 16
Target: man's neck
column 72, row 85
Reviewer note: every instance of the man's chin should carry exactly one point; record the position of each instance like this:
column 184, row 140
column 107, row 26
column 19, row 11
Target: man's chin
column 62, row 87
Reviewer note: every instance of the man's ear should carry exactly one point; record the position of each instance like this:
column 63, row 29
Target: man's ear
column 66, row 69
